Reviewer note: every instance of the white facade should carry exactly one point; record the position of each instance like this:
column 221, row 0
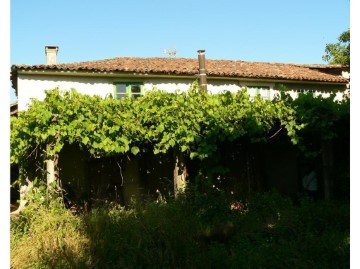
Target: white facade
column 33, row 86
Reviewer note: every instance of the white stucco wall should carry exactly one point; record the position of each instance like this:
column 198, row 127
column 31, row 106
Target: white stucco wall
column 34, row 86
column 338, row 95
column 167, row 85
column 184, row 85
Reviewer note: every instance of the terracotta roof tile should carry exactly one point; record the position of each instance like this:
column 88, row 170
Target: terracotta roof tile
column 14, row 109
column 189, row 66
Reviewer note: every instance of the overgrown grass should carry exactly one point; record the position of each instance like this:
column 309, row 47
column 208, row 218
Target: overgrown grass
column 195, row 231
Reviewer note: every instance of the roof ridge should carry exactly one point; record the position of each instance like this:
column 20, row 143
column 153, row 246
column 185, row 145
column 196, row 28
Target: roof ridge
column 190, row 58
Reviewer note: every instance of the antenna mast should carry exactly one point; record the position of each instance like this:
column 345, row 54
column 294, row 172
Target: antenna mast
column 170, row 52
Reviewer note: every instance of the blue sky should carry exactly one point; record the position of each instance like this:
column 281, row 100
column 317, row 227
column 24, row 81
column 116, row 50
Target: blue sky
column 266, row 31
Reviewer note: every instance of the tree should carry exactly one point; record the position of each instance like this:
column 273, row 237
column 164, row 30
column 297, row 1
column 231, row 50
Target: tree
column 339, row 53
column 325, row 121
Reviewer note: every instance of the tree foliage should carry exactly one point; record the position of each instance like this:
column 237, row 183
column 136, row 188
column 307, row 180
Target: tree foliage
column 323, row 119
column 339, row 53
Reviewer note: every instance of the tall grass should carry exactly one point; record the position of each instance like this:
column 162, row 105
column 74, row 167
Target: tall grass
column 195, row 231
column 48, row 236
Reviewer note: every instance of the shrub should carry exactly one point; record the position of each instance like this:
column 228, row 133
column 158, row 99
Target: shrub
column 47, row 235
column 194, row 231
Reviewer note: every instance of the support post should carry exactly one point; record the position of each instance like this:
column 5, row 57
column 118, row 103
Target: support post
column 50, row 172
column 180, row 172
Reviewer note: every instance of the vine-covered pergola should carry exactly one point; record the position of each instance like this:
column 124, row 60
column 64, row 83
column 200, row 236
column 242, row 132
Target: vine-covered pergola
column 189, row 123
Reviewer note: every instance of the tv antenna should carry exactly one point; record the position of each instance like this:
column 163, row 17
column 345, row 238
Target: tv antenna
column 170, row 52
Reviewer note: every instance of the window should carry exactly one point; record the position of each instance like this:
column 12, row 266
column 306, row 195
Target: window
column 120, row 91
column 254, row 90
column 131, row 89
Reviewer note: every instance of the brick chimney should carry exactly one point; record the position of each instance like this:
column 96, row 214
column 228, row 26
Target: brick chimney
column 51, row 54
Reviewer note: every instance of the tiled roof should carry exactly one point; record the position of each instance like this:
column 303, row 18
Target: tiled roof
column 189, row 66
column 13, row 109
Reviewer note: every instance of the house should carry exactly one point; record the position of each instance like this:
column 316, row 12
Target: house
column 129, row 76
column 123, row 76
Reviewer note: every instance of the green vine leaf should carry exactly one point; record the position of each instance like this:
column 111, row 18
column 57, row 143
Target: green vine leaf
column 160, row 121
column 135, row 150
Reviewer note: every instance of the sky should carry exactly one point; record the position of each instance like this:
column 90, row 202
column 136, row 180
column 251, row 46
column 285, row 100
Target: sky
column 264, row 31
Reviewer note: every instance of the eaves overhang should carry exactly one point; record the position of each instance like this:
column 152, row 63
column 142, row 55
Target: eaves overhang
column 185, row 74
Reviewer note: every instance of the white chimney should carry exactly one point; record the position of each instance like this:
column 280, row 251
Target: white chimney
column 51, row 54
